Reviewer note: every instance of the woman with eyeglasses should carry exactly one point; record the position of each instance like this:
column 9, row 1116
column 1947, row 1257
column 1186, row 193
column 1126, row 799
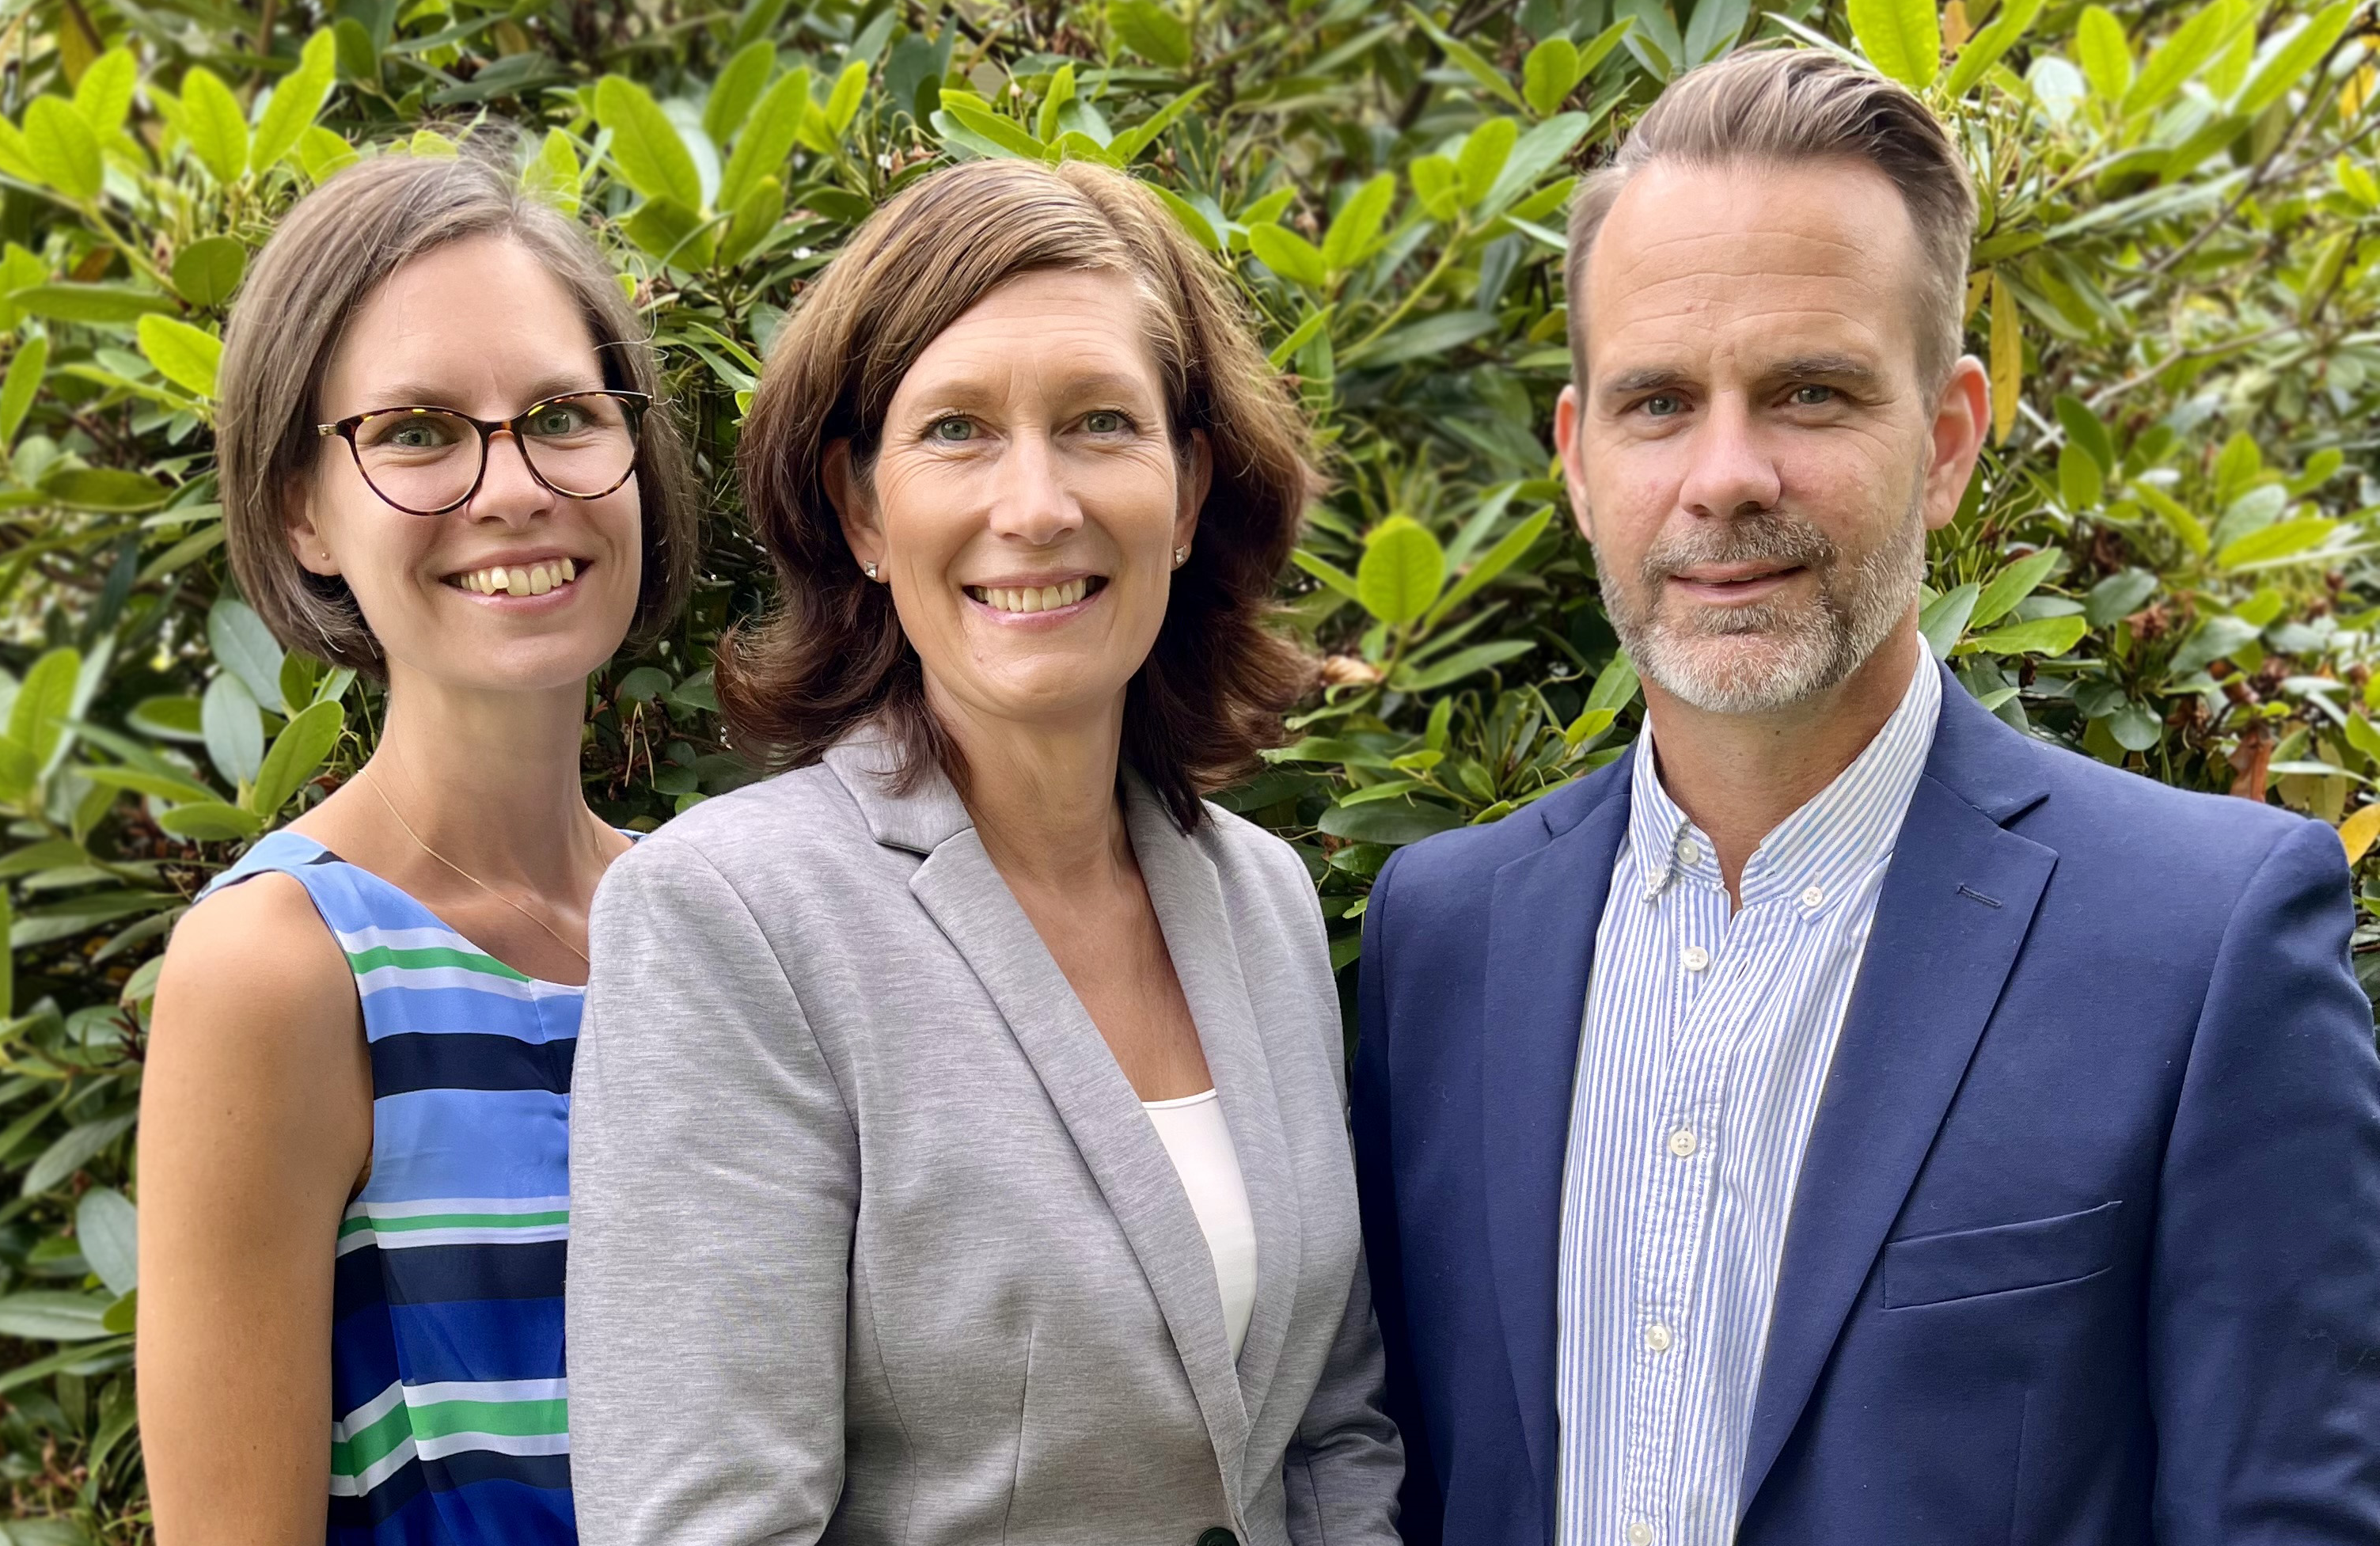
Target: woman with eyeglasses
column 441, row 465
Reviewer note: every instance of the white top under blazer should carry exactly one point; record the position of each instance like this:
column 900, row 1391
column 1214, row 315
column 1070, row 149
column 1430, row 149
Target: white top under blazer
column 1200, row 1143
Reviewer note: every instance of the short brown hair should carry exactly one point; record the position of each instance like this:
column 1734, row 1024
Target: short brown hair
column 338, row 245
column 1789, row 106
column 831, row 655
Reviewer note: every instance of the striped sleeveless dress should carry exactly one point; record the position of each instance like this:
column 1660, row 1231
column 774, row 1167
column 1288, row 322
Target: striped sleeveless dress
column 449, row 1414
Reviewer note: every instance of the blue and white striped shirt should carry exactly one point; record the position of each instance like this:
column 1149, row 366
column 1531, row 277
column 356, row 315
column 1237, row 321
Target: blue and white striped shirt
column 1704, row 1047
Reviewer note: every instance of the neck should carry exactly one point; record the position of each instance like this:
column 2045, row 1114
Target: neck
column 1042, row 795
column 1737, row 776
column 490, row 779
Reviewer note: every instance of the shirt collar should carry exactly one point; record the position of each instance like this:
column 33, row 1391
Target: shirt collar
column 1817, row 854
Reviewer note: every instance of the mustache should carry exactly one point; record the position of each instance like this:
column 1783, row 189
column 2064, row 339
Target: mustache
column 1761, row 539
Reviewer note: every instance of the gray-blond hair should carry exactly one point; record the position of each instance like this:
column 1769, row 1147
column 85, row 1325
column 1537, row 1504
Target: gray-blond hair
column 335, row 249
column 1785, row 107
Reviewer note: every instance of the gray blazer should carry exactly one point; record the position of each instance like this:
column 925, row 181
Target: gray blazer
column 871, row 1241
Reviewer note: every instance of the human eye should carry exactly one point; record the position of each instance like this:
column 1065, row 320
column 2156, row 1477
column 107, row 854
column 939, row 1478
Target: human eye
column 1108, row 421
column 1662, row 405
column 556, row 420
column 1813, row 395
column 950, row 430
column 416, row 433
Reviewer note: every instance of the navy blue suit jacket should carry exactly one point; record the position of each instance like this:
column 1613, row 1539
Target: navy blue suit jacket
column 2086, row 1243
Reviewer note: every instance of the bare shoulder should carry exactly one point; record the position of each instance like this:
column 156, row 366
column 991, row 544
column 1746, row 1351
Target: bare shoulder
column 256, row 962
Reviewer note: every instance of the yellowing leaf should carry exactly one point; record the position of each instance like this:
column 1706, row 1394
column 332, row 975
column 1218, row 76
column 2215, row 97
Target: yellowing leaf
column 2356, row 834
column 2008, row 359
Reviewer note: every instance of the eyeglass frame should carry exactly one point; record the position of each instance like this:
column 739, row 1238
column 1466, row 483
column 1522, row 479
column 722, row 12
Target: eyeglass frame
column 636, row 404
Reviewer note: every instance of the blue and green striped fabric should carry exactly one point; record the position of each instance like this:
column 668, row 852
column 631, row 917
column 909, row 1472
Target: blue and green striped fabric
column 450, row 1416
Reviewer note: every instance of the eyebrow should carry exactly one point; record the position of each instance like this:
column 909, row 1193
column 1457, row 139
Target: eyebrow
column 423, row 393
column 963, row 392
column 1837, row 368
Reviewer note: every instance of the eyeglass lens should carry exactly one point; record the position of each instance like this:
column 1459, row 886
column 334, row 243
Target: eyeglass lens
column 424, row 459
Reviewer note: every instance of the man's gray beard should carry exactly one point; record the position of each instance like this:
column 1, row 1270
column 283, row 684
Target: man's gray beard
column 1803, row 649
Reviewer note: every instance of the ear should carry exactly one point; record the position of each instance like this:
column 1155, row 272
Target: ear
column 1568, row 411
column 1962, row 417
column 1199, row 477
column 304, row 531
column 853, row 509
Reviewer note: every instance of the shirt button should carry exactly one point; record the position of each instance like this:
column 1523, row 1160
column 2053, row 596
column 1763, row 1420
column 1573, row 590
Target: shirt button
column 1696, row 958
column 1681, row 1142
column 1813, row 897
column 1657, row 1337
column 1689, row 851
column 1640, row 1534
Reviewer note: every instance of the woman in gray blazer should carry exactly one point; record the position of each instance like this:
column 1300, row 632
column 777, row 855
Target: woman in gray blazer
column 957, row 1154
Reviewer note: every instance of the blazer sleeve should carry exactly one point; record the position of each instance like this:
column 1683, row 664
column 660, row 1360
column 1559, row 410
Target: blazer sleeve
column 714, row 1184
column 2264, row 1324
column 1422, row 1517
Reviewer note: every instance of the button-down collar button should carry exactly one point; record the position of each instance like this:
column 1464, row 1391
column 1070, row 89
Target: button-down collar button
column 1696, row 958
column 1813, row 897
column 1657, row 1337
column 1689, row 851
column 1640, row 1534
column 1681, row 1142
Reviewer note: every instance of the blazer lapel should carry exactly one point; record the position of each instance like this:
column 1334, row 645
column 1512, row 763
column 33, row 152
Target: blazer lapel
column 1955, row 908
column 1188, row 896
column 1543, row 915
column 964, row 893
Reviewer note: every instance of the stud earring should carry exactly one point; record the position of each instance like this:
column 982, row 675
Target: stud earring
column 1181, row 556
column 869, row 569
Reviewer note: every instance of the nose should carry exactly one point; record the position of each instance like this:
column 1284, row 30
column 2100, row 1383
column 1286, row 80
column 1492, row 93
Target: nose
column 1031, row 501
column 508, row 491
column 1730, row 473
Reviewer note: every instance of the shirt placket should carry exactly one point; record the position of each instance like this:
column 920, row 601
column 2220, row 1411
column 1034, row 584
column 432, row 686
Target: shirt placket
column 1675, row 1211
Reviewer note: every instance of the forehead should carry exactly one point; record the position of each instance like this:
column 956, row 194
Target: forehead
column 476, row 312
column 1043, row 327
column 1694, row 264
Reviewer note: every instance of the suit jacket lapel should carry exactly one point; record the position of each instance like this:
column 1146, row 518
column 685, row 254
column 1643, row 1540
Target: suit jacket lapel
column 1542, row 921
column 964, row 893
column 1188, row 896
column 1957, row 903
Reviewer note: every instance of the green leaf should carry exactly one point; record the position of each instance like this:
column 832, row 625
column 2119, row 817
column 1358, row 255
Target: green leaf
column 755, row 218
column 104, row 95
column 2363, row 737
column 324, row 155
column 98, row 305
column 1303, row 334
column 645, row 144
column 234, row 735
column 2012, row 585
column 739, row 84
column 2118, row 597
column 166, row 719
column 2216, row 638
column 2083, row 429
column 1484, row 150
column 1152, row 31
column 106, row 1228
column 2286, row 539
column 1187, row 215
column 1288, row 254
column 1902, row 38
column 1549, row 73
column 1329, row 574
column 2287, row 65
column 65, row 150
column 2105, row 57
column 770, row 132
column 672, row 232
column 186, row 356
column 1126, row 146
column 1006, row 136
column 1402, row 572
column 45, row 699
column 1988, row 47
column 104, row 488
column 206, row 272
column 843, row 102
column 73, row 1149
column 53, row 1315
column 165, row 787
column 1438, row 184
column 2182, row 54
column 2189, row 527
column 16, row 389
column 1536, row 153
column 1060, row 92
column 1357, row 230
column 1466, row 59
column 2135, row 727
column 297, row 102
column 1460, row 664
column 1390, row 822
column 1945, row 618
column 2043, row 635
column 1498, row 559
column 295, row 756
column 2080, row 484
column 212, row 821
column 1421, row 340
column 245, row 647
column 16, row 160
column 214, row 125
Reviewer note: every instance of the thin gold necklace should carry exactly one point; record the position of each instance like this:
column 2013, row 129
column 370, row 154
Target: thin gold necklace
column 467, row 875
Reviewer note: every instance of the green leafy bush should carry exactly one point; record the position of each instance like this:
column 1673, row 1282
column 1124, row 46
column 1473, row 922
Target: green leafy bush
column 2165, row 560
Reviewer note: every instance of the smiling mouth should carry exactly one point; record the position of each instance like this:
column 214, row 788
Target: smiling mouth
column 1036, row 598
column 517, row 580
column 1741, row 580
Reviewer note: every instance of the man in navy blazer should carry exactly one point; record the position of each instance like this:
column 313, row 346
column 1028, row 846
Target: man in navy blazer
column 1856, row 1121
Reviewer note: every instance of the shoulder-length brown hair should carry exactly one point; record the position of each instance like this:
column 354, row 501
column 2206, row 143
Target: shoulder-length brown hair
column 338, row 246
column 831, row 655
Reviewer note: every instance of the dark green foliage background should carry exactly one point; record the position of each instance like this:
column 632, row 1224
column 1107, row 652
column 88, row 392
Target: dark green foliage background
column 2165, row 560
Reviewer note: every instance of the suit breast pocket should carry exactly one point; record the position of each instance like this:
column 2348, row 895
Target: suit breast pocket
column 1963, row 1263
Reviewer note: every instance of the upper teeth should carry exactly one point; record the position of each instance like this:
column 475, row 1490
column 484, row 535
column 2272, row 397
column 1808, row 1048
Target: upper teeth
column 533, row 579
column 1030, row 598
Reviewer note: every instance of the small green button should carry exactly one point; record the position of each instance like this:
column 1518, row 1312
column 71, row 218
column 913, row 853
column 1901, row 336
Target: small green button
column 1218, row 1538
